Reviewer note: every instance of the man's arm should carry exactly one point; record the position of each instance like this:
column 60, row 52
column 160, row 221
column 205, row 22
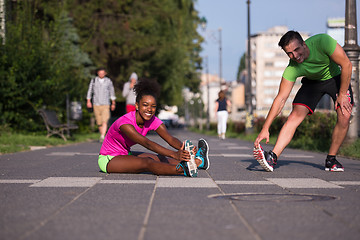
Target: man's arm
column 278, row 104
column 112, row 96
column 89, row 94
column 339, row 57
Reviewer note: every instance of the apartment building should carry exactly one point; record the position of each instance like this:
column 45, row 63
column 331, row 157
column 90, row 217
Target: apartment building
column 268, row 62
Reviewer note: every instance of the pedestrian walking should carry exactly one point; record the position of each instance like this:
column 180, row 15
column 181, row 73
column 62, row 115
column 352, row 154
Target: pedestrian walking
column 129, row 93
column 325, row 69
column 222, row 105
column 130, row 129
column 101, row 91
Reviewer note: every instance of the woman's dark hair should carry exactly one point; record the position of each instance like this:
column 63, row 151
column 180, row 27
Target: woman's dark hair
column 288, row 37
column 145, row 87
column 221, row 95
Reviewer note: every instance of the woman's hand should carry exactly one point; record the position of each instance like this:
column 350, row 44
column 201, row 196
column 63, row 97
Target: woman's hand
column 195, row 150
column 184, row 155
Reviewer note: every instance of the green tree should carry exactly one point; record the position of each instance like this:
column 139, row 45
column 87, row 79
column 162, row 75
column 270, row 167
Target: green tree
column 242, row 66
column 155, row 38
column 39, row 64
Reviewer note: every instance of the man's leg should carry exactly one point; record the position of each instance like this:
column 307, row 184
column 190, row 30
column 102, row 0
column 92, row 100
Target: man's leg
column 269, row 159
column 287, row 132
column 105, row 116
column 340, row 131
column 102, row 129
column 97, row 113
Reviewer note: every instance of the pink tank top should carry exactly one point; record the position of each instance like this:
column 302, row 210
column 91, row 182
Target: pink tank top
column 117, row 143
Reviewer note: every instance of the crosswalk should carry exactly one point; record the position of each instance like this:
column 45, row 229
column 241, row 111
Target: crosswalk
column 229, row 155
column 181, row 182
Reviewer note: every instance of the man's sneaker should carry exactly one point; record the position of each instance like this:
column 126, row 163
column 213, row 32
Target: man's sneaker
column 267, row 160
column 202, row 154
column 189, row 146
column 185, row 167
column 332, row 165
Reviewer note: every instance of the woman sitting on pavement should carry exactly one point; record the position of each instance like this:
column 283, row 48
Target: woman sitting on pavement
column 130, row 129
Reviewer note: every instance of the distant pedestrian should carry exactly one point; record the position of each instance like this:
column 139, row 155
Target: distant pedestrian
column 222, row 105
column 317, row 60
column 130, row 129
column 101, row 91
column 129, row 93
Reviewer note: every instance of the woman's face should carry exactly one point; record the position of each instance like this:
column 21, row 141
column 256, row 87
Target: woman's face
column 221, row 95
column 146, row 107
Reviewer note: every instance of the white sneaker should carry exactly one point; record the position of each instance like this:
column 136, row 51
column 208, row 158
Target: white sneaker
column 189, row 146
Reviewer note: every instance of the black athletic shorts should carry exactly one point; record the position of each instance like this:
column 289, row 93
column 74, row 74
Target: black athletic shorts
column 311, row 92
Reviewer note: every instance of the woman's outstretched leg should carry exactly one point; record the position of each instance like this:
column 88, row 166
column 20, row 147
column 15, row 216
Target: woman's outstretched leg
column 143, row 163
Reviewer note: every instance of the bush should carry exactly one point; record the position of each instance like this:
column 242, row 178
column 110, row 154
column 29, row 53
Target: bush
column 238, row 127
column 314, row 133
column 258, row 124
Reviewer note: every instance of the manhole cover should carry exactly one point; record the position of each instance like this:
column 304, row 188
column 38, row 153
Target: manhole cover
column 274, row 197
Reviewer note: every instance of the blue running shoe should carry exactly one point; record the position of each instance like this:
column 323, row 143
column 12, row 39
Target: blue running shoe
column 185, row 167
column 189, row 146
column 202, row 154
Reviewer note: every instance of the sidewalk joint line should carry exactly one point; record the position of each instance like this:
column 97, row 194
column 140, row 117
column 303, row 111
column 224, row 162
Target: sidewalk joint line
column 148, row 211
column 46, row 220
column 241, row 217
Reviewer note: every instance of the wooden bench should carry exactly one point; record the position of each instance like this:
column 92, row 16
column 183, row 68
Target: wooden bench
column 53, row 125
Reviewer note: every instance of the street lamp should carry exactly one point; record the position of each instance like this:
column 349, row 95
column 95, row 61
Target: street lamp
column 249, row 115
column 208, row 94
column 352, row 49
column 220, row 57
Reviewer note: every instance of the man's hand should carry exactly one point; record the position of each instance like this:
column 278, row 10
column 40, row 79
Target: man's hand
column 264, row 134
column 88, row 104
column 343, row 102
column 112, row 107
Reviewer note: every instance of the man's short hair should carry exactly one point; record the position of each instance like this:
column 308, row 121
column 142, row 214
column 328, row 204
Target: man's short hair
column 100, row 69
column 288, row 37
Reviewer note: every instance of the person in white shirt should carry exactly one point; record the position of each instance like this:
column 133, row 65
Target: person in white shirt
column 101, row 90
column 129, row 94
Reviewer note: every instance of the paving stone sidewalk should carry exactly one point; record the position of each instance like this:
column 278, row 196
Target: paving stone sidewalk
column 59, row 193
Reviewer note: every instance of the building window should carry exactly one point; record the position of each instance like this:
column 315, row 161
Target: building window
column 269, row 54
column 271, row 83
column 280, row 64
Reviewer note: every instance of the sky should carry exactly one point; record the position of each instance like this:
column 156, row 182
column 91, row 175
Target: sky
column 231, row 16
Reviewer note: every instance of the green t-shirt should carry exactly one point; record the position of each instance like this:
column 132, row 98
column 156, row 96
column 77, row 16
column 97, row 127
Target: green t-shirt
column 318, row 66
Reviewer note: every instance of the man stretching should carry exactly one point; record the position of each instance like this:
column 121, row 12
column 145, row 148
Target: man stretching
column 317, row 60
